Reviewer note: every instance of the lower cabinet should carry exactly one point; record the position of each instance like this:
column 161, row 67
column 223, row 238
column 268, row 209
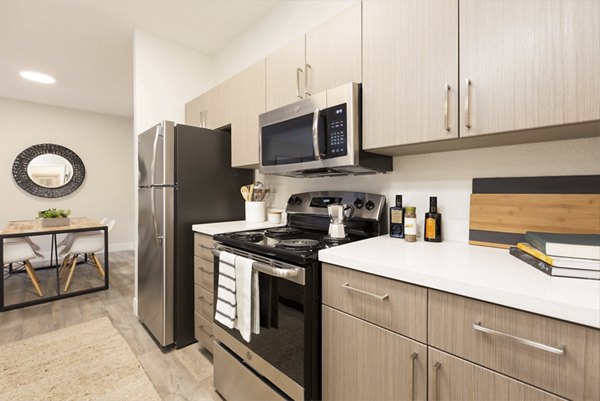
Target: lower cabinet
column 452, row 378
column 362, row 361
column 203, row 290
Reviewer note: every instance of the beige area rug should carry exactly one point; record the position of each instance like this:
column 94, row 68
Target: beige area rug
column 88, row 361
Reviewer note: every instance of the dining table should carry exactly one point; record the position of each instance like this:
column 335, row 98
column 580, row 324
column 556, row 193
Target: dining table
column 33, row 228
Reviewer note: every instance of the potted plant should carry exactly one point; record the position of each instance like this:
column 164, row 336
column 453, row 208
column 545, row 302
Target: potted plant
column 55, row 217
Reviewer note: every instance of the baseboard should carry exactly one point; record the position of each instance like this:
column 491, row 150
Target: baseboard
column 122, row 246
column 135, row 306
column 118, row 247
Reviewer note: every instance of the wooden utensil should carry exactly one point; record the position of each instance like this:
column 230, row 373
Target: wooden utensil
column 245, row 193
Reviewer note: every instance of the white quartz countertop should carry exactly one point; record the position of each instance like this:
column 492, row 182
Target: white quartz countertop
column 231, row 226
column 487, row 274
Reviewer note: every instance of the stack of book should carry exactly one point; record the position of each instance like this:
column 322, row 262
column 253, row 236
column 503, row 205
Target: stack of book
column 561, row 255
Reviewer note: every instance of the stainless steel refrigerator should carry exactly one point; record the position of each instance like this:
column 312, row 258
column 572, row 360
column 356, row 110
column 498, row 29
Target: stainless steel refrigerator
column 185, row 178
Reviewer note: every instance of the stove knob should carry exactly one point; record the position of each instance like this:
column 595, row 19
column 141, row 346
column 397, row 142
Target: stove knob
column 297, row 201
column 291, row 200
column 358, row 203
column 370, row 205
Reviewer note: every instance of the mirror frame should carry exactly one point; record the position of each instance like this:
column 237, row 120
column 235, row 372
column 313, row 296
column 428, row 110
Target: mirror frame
column 22, row 179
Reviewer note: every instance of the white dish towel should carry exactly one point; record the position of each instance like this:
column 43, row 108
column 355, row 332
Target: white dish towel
column 225, row 312
column 247, row 298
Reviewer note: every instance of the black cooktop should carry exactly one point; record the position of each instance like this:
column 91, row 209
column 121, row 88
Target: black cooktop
column 294, row 245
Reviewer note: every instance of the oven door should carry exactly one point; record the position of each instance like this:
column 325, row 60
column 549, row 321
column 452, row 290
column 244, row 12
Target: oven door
column 284, row 353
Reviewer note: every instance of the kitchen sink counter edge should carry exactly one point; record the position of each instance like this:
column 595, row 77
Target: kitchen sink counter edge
column 231, row 226
column 486, row 274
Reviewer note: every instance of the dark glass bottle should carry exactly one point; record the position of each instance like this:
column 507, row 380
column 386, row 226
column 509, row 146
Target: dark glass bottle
column 397, row 219
column 433, row 222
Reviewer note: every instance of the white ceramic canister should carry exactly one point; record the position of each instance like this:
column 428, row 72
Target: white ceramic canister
column 255, row 212
column 274, row 216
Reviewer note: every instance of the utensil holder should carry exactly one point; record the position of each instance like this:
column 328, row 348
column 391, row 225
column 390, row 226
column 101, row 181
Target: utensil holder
column 255, row 212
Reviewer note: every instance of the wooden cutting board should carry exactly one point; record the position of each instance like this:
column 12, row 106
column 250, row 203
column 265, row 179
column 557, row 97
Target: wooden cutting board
column 504, row 209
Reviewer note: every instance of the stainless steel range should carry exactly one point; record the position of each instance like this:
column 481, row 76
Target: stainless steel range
column 284, row 360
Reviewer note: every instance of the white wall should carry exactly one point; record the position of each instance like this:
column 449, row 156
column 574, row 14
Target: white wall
column 284, row 23
column 104, row 144
column 449, row 175
column 166, row 75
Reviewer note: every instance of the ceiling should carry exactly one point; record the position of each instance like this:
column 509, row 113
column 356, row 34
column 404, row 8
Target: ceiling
column 87, row 45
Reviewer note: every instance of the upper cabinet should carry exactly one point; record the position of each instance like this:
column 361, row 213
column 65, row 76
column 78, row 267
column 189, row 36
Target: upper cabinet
column 285, row 74
column 410, row 72
column 523, row 65
column 528, row 64
column 211, row 109
column 248, row 103
column 333, row 52
column 194, row 111
column 324, row 58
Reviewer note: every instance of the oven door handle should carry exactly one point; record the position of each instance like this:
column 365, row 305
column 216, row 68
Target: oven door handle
column 289, row 273
column 315, row 135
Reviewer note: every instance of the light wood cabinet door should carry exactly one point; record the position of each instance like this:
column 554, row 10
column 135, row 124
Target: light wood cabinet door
column 284, row 81
column 333, row 52
column 410, row 71
column 531, row 64
column 362, row 361
column 218, row 107
column 194, row 110
column 519, row 344
column 398, row 306
column 451, row 379
column 248, row 103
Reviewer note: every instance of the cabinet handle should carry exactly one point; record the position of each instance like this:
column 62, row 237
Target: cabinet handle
column 201, row 327
column 206, row 271
column 378, row 297
column 411, row 368
column 201, row 298
column 558, row 351
column 436, row 367
column 467, row 104
column 446, row 109
column 306, row 68
column 298, row 72
column 208, row 248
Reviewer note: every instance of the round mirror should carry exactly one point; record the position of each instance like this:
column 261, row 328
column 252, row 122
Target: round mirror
column 50, row 171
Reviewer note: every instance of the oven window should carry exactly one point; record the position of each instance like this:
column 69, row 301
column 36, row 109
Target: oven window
column 281, row 338
column 290, row 141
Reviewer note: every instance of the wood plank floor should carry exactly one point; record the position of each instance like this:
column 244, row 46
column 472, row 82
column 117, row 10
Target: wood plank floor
column 185, row 374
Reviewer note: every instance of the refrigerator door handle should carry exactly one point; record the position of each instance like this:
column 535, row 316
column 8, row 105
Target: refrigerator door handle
column 154, row 222
column 154, row 148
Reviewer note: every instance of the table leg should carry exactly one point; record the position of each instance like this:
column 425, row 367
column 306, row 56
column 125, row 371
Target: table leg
column 55, row 247
column 106, row 257
column 2, row 275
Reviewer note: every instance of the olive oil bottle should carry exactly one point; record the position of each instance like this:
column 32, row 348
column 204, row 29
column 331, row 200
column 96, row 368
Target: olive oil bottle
column 397, row 219
column 433, row 222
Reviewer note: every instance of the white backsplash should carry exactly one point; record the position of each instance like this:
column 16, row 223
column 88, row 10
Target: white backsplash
column 449, row 175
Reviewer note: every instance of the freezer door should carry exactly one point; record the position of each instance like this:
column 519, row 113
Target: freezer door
column 156, row 155
column 155, row 281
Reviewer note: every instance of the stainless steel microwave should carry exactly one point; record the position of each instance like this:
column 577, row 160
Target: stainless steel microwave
column 318, row 136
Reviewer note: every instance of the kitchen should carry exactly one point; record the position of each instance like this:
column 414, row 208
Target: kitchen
column 438, row 154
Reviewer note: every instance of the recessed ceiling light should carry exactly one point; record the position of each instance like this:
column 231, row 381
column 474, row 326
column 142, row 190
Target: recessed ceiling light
column 37, row 77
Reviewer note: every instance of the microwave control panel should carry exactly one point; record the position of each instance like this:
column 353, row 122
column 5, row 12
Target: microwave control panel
column 338, row 131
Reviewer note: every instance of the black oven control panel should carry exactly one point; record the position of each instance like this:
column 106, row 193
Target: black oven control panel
column 337, row 143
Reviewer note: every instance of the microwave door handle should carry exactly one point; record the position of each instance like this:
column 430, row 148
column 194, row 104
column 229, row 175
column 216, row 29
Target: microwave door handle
column 315, row 134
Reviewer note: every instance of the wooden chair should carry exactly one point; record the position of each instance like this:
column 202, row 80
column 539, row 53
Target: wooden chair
column 84, row 244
